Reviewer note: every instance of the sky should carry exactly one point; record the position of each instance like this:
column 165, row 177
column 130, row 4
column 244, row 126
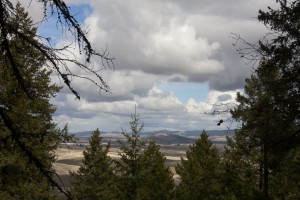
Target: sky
column 175, row 62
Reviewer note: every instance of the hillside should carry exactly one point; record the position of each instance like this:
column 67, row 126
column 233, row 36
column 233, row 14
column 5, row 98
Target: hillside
column 164, row 137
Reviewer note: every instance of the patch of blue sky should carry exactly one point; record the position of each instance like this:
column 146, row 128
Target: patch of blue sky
column 53, row 28
column 185, row 91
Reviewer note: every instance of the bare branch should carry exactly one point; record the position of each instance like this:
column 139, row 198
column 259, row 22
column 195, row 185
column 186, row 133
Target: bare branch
column 56, row 59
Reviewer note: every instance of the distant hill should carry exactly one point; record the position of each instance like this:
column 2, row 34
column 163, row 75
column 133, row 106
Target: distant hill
column 164, row 136
column 167, row 139
column 83, row 134
column 209, row 132
column 182, row 133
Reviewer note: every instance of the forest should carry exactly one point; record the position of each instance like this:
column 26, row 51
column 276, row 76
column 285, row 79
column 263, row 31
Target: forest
column 261, row 160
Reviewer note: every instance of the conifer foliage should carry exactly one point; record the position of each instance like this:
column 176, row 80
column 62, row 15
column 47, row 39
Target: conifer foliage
column 241, row 165
column 201, row 172
column 142, row 170
column 128, row 166
column 95, row 179
column 27, row 154
column 21, row 47
column 269, row 108
column 156, row 178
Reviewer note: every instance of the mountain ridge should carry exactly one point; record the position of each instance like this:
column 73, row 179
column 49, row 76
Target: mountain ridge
column 185, row 133
column 164, row 136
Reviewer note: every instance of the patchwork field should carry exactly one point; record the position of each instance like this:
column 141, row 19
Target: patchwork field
column 173, row 146
column 69, row 158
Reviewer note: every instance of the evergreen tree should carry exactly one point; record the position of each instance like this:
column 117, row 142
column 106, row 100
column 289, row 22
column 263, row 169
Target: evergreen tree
column 269, row 109
column 265, row 126
column 95, row 179
column 258, row 116
column 240, row 163
column 281, row 54
column 142, row 173
column 37, row 48
column 201, row 172
column 285, row 181
column 128, row 165
column 27, row 154
column 156, row 179
column 244, row 172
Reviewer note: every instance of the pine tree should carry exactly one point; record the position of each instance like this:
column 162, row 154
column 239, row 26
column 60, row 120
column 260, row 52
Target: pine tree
column 142, row 172
column 240, row 163
column 269, row 108
column 285, row 180
column 95, row 179
column 201, row 172
column 264, row 124
column 156, row 179
column 39, row 48
column 26, row 155
column 128, row 165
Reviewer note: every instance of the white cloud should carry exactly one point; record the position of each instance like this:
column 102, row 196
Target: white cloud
column 159, row 102
column 159, row 41
column 158, row 110
column 215, row 101
column 156, row 41
column 177, row 50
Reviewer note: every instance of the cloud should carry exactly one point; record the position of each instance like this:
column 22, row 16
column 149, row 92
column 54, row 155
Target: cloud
column 190, row 38
column 158, row 110
column 156, row 42
column 224, row 97
column 160, row 102
column 172, row 38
